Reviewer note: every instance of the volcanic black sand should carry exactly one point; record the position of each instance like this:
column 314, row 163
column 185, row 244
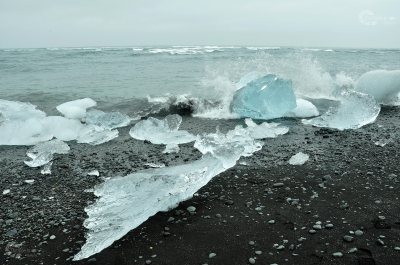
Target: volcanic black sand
column 263, row 210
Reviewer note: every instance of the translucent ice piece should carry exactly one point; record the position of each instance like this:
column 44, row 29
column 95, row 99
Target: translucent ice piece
column 354, row 111
column 268, row 97
column 95, row 135
column 298, row 159
column 304, row 109
column 126, row 202
column 42, row 153
column 76, row 109
column 383, row 85
column 109, row 120
column 162, row 131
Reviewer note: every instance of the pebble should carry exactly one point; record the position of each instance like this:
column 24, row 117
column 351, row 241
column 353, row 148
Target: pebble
column 29, row 181
column 278, row 184
column 6, row 192
column 337, row 254
column 380, row 242
column 352, row 250
column 252, row 261
column 258, row 252
column 397, row 248
column 348, row 238
column 211, row 255
column 312, row 231
column 148, row 261
column 271, row 221
column 191, row 209
column 317, row 227
column 358, row 233
column 251, row 243
column 328, row 226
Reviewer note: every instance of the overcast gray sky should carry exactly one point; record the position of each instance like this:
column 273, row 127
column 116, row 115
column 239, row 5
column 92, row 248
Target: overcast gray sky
column 327, row 23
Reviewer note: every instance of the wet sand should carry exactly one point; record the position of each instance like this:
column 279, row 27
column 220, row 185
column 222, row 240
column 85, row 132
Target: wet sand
column 262, row 210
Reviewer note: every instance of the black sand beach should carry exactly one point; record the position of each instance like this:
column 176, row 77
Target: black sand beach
column 262, row 211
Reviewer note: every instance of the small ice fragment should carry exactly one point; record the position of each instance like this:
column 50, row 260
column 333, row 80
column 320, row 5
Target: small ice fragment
column 383, row 142
column 94, row 173
column 298, row 159
column 383, row 85
column 76, row 109
column 304, row 109
column 264, row 130
column 7, row 191
column 162, row 132
column 265, row 98
column 154, row 165
column 109, row 120
column 42, row 153
column 96, row 135
column 46, row 169
column 171, row 148
column 354, row 111
column 29, row 181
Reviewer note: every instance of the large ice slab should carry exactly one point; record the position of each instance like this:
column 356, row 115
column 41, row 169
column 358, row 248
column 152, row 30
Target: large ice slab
column 265, row 98
column 126, row 202
column 353, row 111
column 164, row 131
column 109, row 120
column 76, row 109
column 42, row 153
column 15, row 110
column 383, row 85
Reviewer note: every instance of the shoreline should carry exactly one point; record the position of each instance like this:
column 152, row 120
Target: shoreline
column 347, row 176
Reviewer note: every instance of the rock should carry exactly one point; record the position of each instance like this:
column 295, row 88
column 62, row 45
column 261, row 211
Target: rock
column 52, row 237
column 312, row 231
column 211, row 255
column 191, row 209
column 380, row 242
column 348, row 238
column 258, row 252
column 278, row 184
column 271, row 221
column 329, row 226
column 251, row 243
column 358, row 233
column 337, row 254
column 148, row 261
column 252, row 261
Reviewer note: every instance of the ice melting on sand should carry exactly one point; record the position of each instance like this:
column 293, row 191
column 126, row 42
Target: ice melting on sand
column 76, row 109
column 164, row 131
column 383, row 85
column 298, row 159
column 22, row 124
column 126, row 202
column 353, row 111
column 42, row 153
column 265, row 98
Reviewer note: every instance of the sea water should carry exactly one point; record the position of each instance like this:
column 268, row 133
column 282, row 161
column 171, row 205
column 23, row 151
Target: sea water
column 130, row 79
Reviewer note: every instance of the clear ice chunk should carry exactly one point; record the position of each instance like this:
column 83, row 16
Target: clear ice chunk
column 95, row 135
column 109, row 120
column 353, row 111
column 298, row 159
column 46, row 169
column 125, row 202
column 304, row 109
column 42, row 153
column 265, row 98
column 162, row 131
column 265, row 129
column 383, row 85
column 15, row 110
column 76, row 109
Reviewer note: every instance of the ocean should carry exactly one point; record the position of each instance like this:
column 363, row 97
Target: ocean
column 135, row 79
